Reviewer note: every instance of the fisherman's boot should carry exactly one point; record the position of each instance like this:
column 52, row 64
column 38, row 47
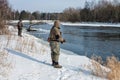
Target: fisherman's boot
column 53, row 63
column 56, row 65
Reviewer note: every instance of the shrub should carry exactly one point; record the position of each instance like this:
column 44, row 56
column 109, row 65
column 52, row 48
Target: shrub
column 97, row 68
column 4, row 13
column 114, row 64
column 112, row 70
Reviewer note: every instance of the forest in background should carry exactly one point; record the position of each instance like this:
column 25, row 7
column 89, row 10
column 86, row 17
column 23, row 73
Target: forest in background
column 103, row 11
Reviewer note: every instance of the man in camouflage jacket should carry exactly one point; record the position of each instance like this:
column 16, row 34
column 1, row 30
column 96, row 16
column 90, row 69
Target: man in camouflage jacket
column 55, row 38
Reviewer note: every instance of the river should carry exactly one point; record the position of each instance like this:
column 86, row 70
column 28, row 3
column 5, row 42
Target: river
column 86, row 40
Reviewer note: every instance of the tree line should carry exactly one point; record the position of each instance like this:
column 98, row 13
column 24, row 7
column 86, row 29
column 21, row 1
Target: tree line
column 26, row 15
column 103, row 11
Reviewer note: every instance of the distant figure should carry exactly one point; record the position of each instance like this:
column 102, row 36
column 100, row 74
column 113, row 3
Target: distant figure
column 20, row 25
column 29, row 28
column 55, row 38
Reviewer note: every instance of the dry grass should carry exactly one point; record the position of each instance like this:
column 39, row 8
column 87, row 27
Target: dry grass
column 114, row 64
column 3, row 28
column 112, row 70
column 28, row 45
column 97, row 68
column 5, row 65
column 24, row 44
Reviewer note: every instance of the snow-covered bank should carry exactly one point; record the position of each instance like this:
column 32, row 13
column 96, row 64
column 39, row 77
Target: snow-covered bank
column 92, row 24
column 31, row 61
column 88, row 24
column 28, row 21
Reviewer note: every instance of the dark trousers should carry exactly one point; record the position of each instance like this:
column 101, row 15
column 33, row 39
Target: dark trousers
column 19, row 32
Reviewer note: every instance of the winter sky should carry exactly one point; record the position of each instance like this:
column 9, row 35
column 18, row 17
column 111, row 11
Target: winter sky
column 46, row 5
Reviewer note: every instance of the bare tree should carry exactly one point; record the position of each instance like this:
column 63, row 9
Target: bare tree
column 4, row 13
column 70, row 14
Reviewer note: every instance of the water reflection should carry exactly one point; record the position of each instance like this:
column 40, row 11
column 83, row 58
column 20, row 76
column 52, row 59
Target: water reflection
column 100, row 41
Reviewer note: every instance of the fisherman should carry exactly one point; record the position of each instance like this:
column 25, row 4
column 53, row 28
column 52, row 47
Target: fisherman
column 20, row 25
column 55, row 38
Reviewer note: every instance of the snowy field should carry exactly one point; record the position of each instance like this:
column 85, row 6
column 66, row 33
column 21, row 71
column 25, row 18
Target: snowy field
column 30, row 59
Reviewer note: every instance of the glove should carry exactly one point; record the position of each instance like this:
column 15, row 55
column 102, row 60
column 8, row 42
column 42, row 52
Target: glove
column 63, row 41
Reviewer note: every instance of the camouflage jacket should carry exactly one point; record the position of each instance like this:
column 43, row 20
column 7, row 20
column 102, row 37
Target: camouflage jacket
column 55, row 34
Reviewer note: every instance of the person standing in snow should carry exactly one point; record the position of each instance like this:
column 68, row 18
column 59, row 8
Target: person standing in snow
column 55, row 38
column 19, row 26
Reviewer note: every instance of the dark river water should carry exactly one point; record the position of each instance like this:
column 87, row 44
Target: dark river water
column 88, row 41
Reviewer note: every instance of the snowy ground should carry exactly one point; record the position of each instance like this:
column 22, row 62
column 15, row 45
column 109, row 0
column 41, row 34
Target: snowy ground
column 30, row 60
